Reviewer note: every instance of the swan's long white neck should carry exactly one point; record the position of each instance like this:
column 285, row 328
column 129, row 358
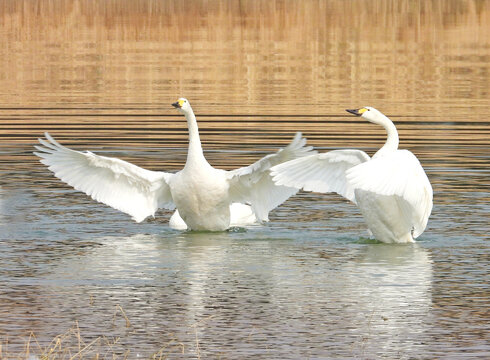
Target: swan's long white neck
column 194, row 153
column 392, row 140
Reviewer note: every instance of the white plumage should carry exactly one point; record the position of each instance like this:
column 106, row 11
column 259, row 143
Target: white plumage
column 114, row 182
column 202, row 194
column 391, row 189
column 240, row 215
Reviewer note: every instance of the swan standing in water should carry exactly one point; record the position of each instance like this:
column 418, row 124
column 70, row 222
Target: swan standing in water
column 391, row 189
column 202, row 194
column 240, row 215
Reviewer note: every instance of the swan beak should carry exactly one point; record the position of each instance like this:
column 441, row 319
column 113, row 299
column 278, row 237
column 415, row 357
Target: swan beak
column 356, row 112
column 177, row 105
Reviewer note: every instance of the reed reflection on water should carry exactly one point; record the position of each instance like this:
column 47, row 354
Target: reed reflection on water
column 100, row 75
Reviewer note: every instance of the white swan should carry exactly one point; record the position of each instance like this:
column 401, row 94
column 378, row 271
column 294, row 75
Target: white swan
column 201, row 193
column 391, row 189
column 240, row 215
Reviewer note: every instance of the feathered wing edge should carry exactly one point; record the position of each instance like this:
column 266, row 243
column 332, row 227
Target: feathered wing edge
column 253, row 183
column 323, row 173
column 401, row 174
column 114, row 182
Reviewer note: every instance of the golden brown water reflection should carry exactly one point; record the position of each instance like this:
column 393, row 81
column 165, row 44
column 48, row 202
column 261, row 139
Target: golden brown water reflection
column 101, row 75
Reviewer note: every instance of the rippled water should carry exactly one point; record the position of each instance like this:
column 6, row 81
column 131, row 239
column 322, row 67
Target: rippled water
column 308, row 284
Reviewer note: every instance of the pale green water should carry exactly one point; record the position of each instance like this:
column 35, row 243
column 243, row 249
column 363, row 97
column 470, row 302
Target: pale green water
column 305, row 285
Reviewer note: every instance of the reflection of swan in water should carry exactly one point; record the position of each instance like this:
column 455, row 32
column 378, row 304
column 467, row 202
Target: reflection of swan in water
column 393, row 291
column 119, row 256
column 171, row 278
column 361, row 299
column 375, row 298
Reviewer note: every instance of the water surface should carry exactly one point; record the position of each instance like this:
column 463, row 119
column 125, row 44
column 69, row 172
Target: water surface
column 308, row 284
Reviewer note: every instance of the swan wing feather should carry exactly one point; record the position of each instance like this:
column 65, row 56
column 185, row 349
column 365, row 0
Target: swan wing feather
column 253, row 183
column 324, row 172
column 114, row 182
column 397, row 173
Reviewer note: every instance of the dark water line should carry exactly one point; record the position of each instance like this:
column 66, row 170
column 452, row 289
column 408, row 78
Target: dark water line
column 203, row 115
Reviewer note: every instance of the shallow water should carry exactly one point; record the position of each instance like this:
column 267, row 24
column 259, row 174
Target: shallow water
column 308, row 284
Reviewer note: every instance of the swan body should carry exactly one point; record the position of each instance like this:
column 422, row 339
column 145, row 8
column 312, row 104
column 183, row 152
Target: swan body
column 202, row 194
column 240, row 215
column 391, row 189
column 202, row 210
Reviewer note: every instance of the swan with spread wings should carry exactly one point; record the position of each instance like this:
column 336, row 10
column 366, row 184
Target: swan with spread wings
column 391, row 189
column 202, row 194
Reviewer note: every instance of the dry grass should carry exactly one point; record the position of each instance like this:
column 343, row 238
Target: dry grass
column 71, row 345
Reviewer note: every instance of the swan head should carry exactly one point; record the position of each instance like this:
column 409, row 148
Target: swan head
column 370, row 114
column 182, row 105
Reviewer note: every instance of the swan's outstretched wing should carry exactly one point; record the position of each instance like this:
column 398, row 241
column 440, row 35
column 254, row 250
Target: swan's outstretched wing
column 114, row 182
column 398, row 173
column 324, row 172
column 254, row 184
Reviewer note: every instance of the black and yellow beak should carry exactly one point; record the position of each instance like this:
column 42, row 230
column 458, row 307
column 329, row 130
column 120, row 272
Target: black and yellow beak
column 357, row 112
column 178, row 104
